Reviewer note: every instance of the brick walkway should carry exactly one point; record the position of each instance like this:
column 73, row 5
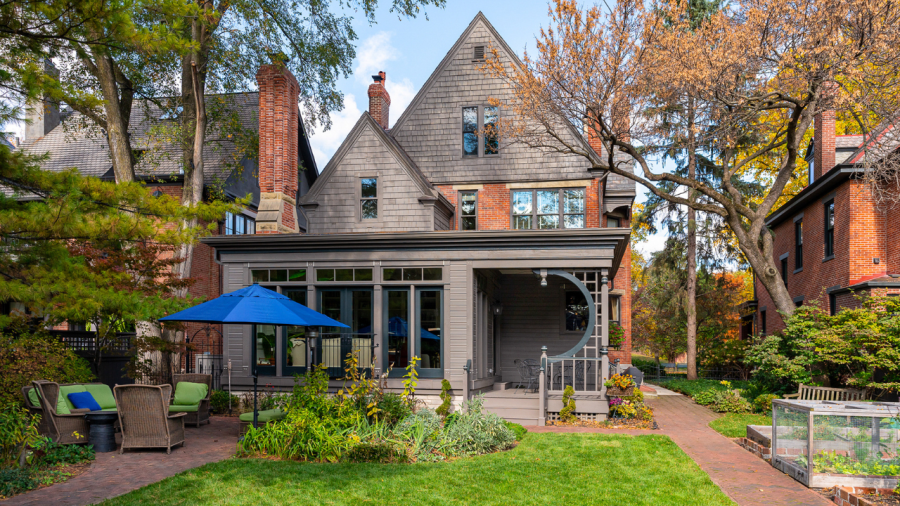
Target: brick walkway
column 112, row 474
column 745, row 478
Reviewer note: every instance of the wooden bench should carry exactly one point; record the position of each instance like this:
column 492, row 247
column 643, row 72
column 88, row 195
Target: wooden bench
column 811, row 393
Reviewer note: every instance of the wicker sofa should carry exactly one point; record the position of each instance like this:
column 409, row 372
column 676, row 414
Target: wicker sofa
column 60, row 420
column 145, row 418
column 194, row 413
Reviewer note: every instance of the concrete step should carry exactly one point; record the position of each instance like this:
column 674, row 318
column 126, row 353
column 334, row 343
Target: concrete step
column 511, row 402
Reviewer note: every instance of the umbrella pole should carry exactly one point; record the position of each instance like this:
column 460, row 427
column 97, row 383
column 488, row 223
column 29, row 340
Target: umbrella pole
column 255, row 410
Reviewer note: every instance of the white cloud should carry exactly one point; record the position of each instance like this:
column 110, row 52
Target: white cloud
column 372, row 56
column 402, row 93
column 324, row 144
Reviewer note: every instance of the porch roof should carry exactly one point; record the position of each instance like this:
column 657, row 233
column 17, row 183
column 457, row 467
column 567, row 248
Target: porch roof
column 615, row 239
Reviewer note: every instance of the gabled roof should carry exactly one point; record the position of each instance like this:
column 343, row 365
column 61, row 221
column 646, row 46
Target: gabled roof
column 366, row 122
column 77, row 143
column 446, row 62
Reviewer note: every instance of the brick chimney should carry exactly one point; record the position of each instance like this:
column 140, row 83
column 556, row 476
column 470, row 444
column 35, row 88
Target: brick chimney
column 379, row 101
column 279, row 131
column 825, row 126
column 43, row 116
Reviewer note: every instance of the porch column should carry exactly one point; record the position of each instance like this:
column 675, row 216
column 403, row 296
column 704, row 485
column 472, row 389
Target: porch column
column 604, row 329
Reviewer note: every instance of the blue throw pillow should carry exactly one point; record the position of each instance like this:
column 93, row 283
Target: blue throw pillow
column 84, row 400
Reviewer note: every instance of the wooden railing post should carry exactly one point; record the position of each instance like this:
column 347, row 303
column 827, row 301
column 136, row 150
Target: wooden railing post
column 604, row 330
column 542, row 388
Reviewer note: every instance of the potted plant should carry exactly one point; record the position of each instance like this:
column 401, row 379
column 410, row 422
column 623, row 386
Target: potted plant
column 616, row 335
column 620, row 385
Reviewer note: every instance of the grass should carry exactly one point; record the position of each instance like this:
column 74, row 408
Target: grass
column 570, row 469
column 735, row 424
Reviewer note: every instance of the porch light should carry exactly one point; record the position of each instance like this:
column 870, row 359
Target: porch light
column 543, row 276
column 497, row 308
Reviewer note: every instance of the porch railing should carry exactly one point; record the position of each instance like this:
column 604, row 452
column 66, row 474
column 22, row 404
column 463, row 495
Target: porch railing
column 583, row 374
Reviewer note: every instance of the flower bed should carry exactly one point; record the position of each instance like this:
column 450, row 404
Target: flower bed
column 363, row 423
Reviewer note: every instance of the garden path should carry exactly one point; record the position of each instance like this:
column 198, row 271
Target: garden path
column 112, row 474
column 744, row 477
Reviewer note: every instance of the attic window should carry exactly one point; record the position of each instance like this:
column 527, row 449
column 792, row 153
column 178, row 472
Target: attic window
column 479, row 52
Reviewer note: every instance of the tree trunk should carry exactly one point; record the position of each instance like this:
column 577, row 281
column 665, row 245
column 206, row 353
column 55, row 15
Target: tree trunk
column 691, row 308
column 117, row 118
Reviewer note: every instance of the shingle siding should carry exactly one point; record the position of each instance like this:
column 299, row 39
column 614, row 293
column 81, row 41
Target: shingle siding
column 431, row 130
column 399, row 208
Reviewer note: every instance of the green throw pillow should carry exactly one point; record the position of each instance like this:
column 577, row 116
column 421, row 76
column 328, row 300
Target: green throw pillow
column 34, row 397
column 102, row 394
column 187, row 393
column 63, row 405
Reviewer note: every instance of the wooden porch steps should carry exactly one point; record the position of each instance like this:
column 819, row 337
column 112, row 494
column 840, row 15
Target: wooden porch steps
column 513, row 405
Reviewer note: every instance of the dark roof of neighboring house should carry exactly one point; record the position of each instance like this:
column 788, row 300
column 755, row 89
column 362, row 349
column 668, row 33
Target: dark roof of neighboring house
column 879, row 282
column 78, row 143
column 5, row 142
column 818, row 189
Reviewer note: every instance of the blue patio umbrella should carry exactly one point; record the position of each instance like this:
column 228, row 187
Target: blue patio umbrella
column 254, row 305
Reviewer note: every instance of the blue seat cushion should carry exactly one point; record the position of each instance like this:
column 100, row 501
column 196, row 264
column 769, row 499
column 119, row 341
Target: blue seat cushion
column 84, row 400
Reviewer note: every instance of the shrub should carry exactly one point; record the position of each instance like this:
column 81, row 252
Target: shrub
column 730, row 401
column 18, row 430
column 444, row 409
column 48, row 453
column 383, row 452
column 763, row 403
column 27, row 355
column 517, row 429
column 393, row 408
column 476, row 431
column 219, row 400
column 17, row 480
column 706, row 397
column 567, row 413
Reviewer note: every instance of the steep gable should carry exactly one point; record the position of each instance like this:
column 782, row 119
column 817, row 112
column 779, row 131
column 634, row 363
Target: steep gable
column 407, row 201
column 430, row 130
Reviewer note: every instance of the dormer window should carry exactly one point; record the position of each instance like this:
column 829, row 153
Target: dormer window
column 484, row 120
column 239, row 224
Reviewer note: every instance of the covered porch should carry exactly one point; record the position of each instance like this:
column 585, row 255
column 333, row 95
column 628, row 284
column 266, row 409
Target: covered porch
column 537, row 331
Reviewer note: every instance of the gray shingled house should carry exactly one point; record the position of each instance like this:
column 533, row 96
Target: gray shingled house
column 486, row 260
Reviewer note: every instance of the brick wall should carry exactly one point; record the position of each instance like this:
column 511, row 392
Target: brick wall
column 860, row 235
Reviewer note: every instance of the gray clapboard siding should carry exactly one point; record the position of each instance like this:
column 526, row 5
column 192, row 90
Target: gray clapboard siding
column 236, row 336
column 456, row 322
column 532, row 317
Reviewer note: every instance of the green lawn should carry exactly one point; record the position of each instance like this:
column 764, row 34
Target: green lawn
column 569, row 469
column 735, row 424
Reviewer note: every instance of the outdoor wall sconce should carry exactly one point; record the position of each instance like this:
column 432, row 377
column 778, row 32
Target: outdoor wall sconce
column 497, row 308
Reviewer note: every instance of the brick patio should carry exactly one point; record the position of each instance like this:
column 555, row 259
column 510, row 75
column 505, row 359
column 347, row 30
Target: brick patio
column 744, row 477
column 112, row 474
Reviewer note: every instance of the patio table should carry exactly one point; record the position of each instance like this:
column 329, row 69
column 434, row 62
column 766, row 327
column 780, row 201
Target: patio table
column 102, row 434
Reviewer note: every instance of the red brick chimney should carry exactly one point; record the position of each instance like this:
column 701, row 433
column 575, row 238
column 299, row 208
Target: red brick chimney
column 379, row 101
column 279, row 120
column 825, row 131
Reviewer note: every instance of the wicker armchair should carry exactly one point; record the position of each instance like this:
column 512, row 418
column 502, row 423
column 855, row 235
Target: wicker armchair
column 62, row 429
column 44, row 426
column 202, row 413
column 145, row 419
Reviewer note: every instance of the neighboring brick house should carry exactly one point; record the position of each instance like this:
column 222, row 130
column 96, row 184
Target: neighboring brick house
column 67, row 144
column 831, row 241
column 431, row 239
